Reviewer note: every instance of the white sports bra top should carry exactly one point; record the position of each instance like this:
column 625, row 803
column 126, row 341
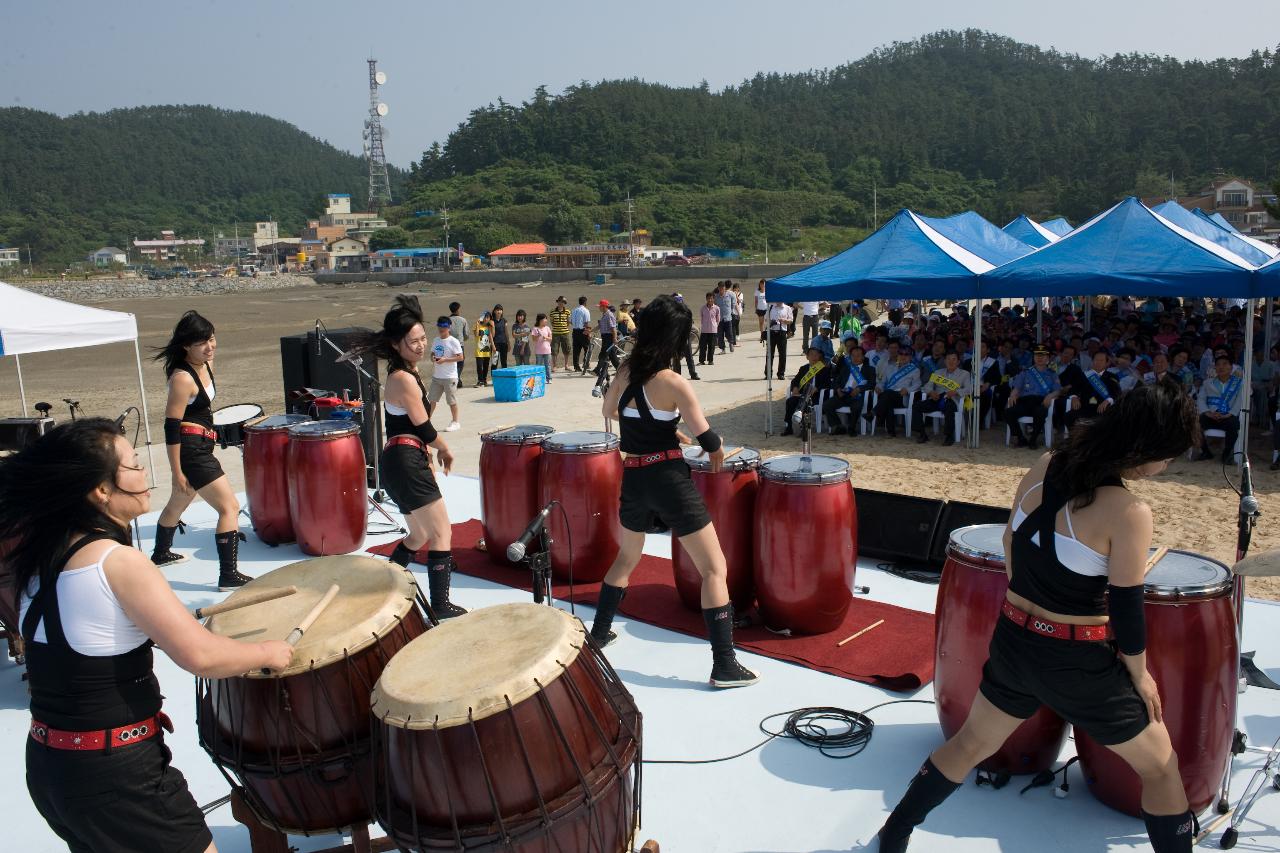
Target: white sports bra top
column 394, row 409
column 92, row 619
column 658, row 414
column 1072, row 553
column 212, row 392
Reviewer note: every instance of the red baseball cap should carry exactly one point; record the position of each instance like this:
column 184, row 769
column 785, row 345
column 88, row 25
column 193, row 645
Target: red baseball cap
column 604, row 303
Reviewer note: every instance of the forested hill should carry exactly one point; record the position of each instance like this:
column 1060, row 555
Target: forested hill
column 70, row 185
column 952, row 120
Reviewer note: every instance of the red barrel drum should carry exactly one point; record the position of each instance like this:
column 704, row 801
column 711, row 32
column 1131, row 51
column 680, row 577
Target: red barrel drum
column 266, row 477
column 973, row 585
column 327, row 498
column 805, row 543
column 506, row 729
column 583, row 471
column 509, row 485
column 730, row 496
column 1192, row 653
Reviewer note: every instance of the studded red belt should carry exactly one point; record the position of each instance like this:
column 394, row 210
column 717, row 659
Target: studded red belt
column 1057, row 630
column 407, row 440
column 96, row 741
column 640, row 460
column 188, row 429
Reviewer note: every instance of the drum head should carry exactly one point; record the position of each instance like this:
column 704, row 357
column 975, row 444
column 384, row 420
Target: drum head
column 805, row 470
column 374, row 596
column 519, row 434
column 586, row 441
column 321, row 430
column 275, row 423
column 469, row 667
column 236, row 414
column 983, row 542
column 1183, row 574
column 745, row 460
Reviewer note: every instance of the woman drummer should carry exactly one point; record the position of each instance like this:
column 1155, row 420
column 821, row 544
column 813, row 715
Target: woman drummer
column 647, row 399
column 189, row 440
column 1077, row 543
column 92, row 607
column 406, row 459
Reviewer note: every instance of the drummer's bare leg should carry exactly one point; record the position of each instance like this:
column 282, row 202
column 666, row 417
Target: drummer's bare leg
column 433, row 521
column 986, row 728
column 167, row 526
column 614, row 587
column 1170, row 824
column 703, row 547
column 227, row 536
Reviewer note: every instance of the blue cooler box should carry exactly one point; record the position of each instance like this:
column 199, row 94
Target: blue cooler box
column 513, row 384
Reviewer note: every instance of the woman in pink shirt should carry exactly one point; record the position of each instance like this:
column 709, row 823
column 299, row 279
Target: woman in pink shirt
column 540, row 334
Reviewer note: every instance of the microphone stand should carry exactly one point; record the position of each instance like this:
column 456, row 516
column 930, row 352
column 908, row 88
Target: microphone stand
column 357, row 364
column 539, row 561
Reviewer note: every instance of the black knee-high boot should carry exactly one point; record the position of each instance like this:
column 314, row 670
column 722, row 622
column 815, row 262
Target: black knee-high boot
column 402, row 556
column 163, row 554
column 439, row 571
column 926, row 791
column 606, row 608
column 228, row 545
column 1173, row 833
column 725, row 669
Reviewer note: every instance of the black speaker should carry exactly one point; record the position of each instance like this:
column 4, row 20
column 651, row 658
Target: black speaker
column 957, row 514
column 17, row 433
column 294, row 364
column 896, row 527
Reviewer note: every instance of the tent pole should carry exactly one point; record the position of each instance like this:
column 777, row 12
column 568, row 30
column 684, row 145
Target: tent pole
column 1088, row 315
column 975, row 380
column 1039, row 319
column 768, row 372
column 1266, row 329
column 22, row 389
column 146, row 420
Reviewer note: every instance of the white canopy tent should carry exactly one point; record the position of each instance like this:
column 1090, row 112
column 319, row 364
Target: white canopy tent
column 31, row 323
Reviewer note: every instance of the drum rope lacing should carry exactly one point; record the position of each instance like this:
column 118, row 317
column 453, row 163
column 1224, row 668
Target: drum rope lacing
column 834, row 732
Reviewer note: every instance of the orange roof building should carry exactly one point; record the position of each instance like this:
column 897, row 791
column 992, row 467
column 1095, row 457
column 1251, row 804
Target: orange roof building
column 519, row 253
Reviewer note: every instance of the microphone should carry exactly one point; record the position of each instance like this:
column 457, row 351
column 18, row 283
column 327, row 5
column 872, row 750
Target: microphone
column 317, row 338
column 119, row 421
column 516, row 550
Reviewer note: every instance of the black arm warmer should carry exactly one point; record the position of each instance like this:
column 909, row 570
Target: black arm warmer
column 173, row 430
column 1125, row 605
column 709, row 441
column 426, row 432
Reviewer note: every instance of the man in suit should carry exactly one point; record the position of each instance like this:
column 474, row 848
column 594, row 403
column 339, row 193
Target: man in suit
column 897, row 378
column 1087, row 393
column 945, row 391
column 854, row 380
column 812, row 377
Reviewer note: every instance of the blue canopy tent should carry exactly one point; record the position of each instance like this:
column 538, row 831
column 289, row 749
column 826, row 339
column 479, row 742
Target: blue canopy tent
column 1217, row 219
column 1267, row 280
column 970, row 231
column 1232, row 241
column 1058, row 226
column 1032, row 233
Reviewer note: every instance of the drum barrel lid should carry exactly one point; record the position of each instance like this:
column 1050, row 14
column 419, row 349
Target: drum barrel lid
column 746, row 459
column 978, row 542
column 802, row 470
column 236, row 413
column 584, row 441
column 322, row 430
column 519, row 434
column 276, row 423
column 1187, row 576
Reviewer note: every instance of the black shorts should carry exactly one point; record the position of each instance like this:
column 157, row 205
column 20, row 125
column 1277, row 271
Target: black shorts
column 199, row 465
column 664, row 491
column 1084, row 683
column 407, row 477
column 759, row 312
column 127, row 800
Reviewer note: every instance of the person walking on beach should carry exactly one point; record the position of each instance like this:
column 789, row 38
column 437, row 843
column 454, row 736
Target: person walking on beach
column 461, row 332
column 446, row 355
column 580, row 320
column 520, row 338
column 561, row 333
column 540, row 336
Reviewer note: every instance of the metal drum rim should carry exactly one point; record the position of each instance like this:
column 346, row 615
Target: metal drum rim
column 506, row 437
column 260, row 426
column 610, row 442
column 694, row 459
column 953, row 544
column 299, row 432
column 1165, row 593
column 257, row 414
column 807, row 479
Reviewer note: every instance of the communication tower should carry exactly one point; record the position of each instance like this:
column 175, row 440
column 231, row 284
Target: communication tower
column 379, row 183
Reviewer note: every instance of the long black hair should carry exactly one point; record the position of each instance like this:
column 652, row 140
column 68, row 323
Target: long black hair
column 44, row 496
column 405, row 313
column 192, row 328
column 662, row 332
column 1148, row 424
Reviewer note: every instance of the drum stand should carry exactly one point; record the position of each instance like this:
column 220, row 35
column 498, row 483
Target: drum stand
column 265, row 839
column 539, row 561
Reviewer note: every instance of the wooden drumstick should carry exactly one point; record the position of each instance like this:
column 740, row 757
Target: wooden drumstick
column 852, row 637
column 295, row 636
column 492, row 430
column 1155, row 558
column 727, row 456
column 254, row 597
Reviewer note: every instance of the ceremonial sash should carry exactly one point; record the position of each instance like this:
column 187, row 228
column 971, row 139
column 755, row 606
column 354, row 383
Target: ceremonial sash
column 855, row 375
column 902, row 371
column 1098, row 385
column 943, row 382
column 1187, row 375
column 1040, row 380
column 1229, row 391
column 812, row 372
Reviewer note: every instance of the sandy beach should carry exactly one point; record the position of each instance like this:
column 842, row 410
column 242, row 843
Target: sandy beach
column 1195, row 508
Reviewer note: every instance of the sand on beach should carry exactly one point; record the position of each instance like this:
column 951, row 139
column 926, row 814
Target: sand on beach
column 1195, row 508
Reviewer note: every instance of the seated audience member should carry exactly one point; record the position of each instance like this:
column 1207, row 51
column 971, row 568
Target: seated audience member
column 1124, row 371
column 1180, row 367
column 1087, row 393
column 1007, row 367
column 1159, row 369
column 945, row 391
column 813, row 376
column 854, row 379
column 1032, row 394
column 823, row 341
column 1219, row 403
column 897, row 378
column 988, row 378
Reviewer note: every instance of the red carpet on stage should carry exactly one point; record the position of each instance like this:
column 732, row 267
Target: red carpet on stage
column 897, row 655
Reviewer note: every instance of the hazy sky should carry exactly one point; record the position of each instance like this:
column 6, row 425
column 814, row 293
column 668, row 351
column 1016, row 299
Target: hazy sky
column 304, row 61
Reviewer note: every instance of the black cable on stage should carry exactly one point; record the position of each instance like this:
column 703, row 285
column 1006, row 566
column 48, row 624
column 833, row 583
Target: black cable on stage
column 834, row 732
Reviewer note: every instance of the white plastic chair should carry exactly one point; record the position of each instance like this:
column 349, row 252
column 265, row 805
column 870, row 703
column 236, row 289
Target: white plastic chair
column 819, row 412
column 1027, row 419
column 1222, row 434
column 867, row 401
column 904, row 413
column 939, row 419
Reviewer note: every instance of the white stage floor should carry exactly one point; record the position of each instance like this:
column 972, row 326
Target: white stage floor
column 783, row 798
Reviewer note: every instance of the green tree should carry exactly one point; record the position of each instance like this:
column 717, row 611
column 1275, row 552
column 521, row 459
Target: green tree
column 566, row 224
column 394, row 237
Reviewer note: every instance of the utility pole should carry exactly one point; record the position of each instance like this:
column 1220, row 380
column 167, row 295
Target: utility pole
column 875, row 206
column 631, row 234
column 444, row 213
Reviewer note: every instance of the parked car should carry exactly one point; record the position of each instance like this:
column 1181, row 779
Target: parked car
column 676, row 261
